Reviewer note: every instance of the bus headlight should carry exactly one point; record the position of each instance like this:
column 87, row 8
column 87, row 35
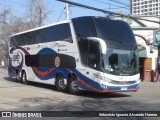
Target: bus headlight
column 137, row 80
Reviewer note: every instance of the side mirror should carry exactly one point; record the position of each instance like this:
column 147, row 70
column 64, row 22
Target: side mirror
column 102, row 43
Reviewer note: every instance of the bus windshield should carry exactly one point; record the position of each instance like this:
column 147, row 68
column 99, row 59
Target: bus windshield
column 114, row 31
column 120, row 62
column 120, row 57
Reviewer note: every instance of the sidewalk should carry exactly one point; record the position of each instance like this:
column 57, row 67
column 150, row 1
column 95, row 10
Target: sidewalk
column 149, row 87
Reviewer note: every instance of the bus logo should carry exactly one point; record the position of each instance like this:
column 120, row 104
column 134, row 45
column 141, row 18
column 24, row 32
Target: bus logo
column 57, row 61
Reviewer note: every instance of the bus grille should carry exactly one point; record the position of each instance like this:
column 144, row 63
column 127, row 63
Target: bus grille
column 122, row 82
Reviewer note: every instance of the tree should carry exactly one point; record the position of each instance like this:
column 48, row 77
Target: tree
column 36, row 13
column 10, row 24
column 3, row 15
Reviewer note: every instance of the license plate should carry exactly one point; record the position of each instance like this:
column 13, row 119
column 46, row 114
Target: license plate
column 124, row 88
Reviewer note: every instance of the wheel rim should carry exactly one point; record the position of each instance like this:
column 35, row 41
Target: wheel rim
column 61, row 83
column 74, row 84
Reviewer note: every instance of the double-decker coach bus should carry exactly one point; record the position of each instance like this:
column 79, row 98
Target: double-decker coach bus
column 86, row 53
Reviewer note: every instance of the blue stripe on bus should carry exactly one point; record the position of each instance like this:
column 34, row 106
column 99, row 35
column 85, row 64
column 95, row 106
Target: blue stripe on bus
column 65, row 72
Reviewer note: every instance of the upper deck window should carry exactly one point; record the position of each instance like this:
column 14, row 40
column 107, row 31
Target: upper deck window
column 59, row 32
column 84, row 27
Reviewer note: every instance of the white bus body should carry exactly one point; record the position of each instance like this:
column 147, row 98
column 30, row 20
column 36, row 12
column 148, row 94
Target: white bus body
column 77, row 55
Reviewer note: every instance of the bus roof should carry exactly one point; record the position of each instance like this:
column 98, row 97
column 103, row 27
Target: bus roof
column 38, row 28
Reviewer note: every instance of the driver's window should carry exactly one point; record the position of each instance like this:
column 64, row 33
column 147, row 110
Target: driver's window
column 83, row 49
column 93, row 56
column 90, row 53
column 113, row 60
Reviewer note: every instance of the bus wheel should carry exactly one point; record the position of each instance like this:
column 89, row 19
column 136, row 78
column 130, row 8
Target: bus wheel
column 24, row 78
column 17, row 76
column 60, row 85
column 73, row 85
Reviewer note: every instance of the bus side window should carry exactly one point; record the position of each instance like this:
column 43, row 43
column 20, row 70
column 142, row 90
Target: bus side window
column 93, row 56
column 83, row 48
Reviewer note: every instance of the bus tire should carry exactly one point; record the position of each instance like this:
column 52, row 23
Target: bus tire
column 17, row 76
column 60, row 83
column 73, row 85
column 24, row 78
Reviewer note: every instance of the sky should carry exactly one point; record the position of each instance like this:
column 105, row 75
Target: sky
column 18, row 8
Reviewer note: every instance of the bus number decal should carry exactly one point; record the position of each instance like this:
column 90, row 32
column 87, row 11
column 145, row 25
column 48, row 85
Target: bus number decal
column 16, row 58
column 57, row 61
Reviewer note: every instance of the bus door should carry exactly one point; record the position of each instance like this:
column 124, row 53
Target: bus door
column 90, row 58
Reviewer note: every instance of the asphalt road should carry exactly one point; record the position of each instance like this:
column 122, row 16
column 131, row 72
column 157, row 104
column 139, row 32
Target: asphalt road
column 38, row 97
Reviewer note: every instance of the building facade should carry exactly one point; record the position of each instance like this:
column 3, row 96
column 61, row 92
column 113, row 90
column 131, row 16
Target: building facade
column 148, row 53
column 145, row 7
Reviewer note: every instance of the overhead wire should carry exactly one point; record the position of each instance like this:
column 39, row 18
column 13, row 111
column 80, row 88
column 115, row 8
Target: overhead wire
column 107, row 12
column 110, row 4
column 61, row 14
column 120, row 2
